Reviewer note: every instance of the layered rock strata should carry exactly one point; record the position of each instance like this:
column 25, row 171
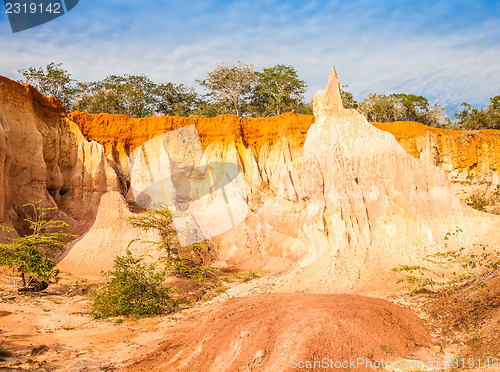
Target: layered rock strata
column 43, row 156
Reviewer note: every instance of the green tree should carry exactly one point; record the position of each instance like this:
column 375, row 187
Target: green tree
column 231, row 86
column 186, row 262
column 401, row 107
column 33, row 254
column 279, row 90
column 158, row 220
column 132, row 95
column 380, row 108
column 134, row 289
column 175, row 100
column 136, row 96
column 51, row 81
column 470, row 118
column 347, row 98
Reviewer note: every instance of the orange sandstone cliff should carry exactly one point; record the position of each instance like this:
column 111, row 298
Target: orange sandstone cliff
column 338, row 207
column 471, row 159
column 331, row 197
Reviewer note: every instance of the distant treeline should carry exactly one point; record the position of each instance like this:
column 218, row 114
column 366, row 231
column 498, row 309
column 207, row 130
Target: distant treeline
column 241, row 90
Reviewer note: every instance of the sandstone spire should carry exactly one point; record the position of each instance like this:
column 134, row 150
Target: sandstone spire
column 329, row 99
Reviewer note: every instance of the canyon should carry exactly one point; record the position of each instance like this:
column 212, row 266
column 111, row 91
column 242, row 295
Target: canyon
column 332, row 204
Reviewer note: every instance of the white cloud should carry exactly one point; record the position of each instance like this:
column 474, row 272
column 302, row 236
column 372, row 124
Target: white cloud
column 371, row 53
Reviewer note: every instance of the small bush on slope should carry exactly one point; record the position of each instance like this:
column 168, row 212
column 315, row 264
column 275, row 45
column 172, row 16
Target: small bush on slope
column 134, row 290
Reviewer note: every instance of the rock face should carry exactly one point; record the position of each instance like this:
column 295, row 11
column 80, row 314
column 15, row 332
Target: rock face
column 43, row 156
column 108, row 237
column 471, row 159
column 120, row 134
column 338, row 208
column 331, row 198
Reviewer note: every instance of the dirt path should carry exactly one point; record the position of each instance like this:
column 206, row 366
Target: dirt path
column 74, row 341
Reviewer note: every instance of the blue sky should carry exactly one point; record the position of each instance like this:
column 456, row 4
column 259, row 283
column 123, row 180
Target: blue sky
column 445, row 50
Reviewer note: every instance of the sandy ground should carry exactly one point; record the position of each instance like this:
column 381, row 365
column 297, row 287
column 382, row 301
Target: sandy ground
column 244, row 329
column 59, row 318
column 276, row 332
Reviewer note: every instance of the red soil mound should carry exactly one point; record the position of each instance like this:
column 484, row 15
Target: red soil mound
column 274, row 332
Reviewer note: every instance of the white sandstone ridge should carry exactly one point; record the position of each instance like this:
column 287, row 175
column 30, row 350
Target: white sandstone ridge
column 109, row 236
column 363, row 206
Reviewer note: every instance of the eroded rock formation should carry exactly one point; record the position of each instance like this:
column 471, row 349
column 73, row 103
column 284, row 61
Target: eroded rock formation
column 471, row 159
column 339, row 212
column 109, row 236
column 43, row 156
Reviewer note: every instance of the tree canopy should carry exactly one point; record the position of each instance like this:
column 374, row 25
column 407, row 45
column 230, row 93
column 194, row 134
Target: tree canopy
column 231, row 86
column 51, row 81
column 279, row 90
column 479, row 118
column 241, row 90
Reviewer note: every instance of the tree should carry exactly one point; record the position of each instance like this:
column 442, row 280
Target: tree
column 347, row 98
column 136, row 96
column 132, row 95
column 53, row 81
column 401, row 107
column 186, row 262
column 158, row 220
column 34, row 254
column 175, row 100
column 470, row 118
column 279, row 90
column 231, row 86
column 380, row 108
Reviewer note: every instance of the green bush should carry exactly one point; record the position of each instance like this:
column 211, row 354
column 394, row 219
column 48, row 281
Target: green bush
column 478, row 202
column 450, row 269
column 135, row 289
column 33, row 254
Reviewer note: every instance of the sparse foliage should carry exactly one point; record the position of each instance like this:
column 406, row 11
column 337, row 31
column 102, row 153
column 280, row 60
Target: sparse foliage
column 131, row 95
column 158, row 220
column 231, row 86
column 278, row 90
column 134, row 289
column 401, row 107
column 347, row 98
column 53, row 81
column 33, row 254
column 448, row 270
column 470, row 118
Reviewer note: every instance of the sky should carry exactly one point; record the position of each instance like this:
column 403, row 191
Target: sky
column 447, row 51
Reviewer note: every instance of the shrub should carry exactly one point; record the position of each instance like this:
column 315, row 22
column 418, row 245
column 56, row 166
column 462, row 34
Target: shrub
column 478, row 202
column 33, row 254
column 466, row 268
column 135, row 289
column 185, row 262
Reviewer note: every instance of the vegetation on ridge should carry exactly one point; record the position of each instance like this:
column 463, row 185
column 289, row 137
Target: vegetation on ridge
column 241, row 90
